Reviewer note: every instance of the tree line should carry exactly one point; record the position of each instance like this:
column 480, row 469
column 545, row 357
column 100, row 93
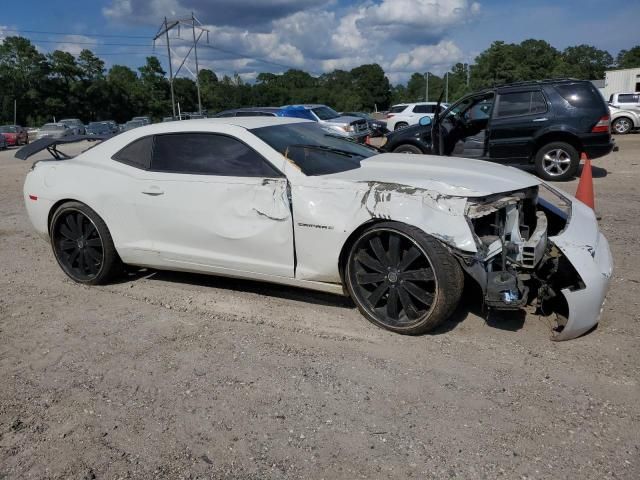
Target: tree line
column 59, row 84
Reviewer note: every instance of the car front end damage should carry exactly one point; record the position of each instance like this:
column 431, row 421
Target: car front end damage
column 540, row 247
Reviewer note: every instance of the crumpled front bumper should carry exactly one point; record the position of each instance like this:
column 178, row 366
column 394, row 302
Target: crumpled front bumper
column 588, row 251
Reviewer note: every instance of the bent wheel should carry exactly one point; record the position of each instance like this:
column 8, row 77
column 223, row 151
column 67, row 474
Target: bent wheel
column 402, row 279
column 82, row 244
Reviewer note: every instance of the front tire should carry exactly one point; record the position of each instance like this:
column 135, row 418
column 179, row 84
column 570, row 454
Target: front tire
column 82, row 244
column 407, row 148
column 557, row 161
column 622, row 125
column 402, row 279
column 400, row 125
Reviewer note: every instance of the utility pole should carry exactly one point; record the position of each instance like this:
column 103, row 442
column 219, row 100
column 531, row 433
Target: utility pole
column 194, row 24
column 426, row 88
column 195, row 54
column 15, row 111
column 446, row 88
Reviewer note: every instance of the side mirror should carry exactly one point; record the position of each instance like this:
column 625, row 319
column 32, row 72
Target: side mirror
column 425, row 121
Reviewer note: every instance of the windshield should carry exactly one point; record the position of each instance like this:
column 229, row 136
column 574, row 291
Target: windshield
column 8, row 129
column 312, row 149
column 325, row 113
column 51, row 126
column 98, row 125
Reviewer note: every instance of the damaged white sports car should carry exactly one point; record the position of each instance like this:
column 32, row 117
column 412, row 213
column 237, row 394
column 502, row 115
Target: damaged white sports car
column 283, row 200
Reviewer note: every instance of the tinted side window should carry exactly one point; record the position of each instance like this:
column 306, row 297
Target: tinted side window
column 521, row 103
column 397, row 109
column 628, row 98
column 210, row 154
column 137, row 153
column 423, row 109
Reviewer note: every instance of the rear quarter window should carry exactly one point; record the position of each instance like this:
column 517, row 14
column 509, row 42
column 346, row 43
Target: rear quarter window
column 398, row 108
column 578, row 94
column 628, row 98
column 137, row 153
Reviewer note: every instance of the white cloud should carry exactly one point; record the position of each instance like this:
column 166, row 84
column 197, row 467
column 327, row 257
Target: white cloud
column 445, row 53
column 74, row 44
column 316, row 35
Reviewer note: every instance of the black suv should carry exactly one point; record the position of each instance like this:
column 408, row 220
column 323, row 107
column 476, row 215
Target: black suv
column 548, row 123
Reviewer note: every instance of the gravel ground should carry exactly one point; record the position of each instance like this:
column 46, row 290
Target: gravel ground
column 167, row 375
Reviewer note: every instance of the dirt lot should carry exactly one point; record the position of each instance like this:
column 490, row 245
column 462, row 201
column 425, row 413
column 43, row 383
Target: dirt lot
column 169, row 375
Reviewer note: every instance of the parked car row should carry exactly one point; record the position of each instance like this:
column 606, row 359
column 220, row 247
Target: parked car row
column 351, row 127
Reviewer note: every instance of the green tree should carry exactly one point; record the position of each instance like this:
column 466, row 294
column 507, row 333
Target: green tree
column 629, row 58
column 155, row 89
column 583, row 62
column 22, row 72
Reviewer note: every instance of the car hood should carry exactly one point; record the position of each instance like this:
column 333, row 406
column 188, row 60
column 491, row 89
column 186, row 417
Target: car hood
column 343, row 120
column 457, row 177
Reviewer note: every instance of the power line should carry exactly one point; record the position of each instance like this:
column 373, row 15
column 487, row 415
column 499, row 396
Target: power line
column 62, row 42
column 257, row 59
column 69, row 33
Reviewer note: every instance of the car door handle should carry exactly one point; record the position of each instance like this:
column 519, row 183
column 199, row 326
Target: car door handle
column 541, row 119
column 153, row 191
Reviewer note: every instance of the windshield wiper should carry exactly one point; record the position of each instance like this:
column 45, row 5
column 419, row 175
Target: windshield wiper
column 324, row 148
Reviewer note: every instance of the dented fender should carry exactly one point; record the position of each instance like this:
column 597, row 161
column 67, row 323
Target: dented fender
column 327, row 211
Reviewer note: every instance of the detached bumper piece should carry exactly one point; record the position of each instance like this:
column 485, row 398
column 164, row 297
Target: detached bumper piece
column 532, row 250
column 587, row 250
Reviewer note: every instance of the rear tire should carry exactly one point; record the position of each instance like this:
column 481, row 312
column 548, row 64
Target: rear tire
column 402, row 279
column 622, row 125
column 407, row 148
column 82, row 244
column 400, row 125
column 557, row 161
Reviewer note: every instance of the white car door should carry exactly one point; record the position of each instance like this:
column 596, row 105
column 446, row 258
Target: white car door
column 211, row 200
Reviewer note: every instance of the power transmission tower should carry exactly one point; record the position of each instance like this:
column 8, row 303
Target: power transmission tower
column 194, row 25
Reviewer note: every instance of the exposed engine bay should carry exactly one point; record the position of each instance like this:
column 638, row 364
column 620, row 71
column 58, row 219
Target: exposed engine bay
column 516, row 264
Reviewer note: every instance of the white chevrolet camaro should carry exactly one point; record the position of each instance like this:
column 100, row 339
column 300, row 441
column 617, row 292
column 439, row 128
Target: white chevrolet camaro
column 283, row 200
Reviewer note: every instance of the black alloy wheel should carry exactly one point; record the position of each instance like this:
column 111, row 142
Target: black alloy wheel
column 398, row 283
column 82, row 244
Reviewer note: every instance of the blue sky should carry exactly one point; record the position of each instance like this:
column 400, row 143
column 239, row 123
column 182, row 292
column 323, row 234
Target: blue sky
column 403, row 36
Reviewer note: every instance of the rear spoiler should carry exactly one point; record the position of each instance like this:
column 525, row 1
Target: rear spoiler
column 50, row 144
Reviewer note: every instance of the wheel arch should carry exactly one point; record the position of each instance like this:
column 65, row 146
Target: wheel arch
column 556, row 136
column 348, row 243
column 55, row 207
column 409, row 142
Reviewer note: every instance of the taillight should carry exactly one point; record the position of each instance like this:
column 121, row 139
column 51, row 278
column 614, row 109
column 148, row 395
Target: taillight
column 389, row 115
column 603, row 125
column 33, row 197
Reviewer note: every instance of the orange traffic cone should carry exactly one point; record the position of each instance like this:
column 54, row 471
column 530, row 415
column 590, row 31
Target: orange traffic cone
column 585, row 185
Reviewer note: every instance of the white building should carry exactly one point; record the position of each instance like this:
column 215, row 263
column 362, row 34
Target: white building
column 621, row 81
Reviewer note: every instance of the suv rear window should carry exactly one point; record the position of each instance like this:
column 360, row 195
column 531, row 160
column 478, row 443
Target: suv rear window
column 628, row 98
column 397, row 109
column 577, row 94
column 521, row 103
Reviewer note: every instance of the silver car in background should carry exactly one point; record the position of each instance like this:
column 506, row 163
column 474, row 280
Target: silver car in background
column 54, row 130
column 623, row 120
column 75, row 124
